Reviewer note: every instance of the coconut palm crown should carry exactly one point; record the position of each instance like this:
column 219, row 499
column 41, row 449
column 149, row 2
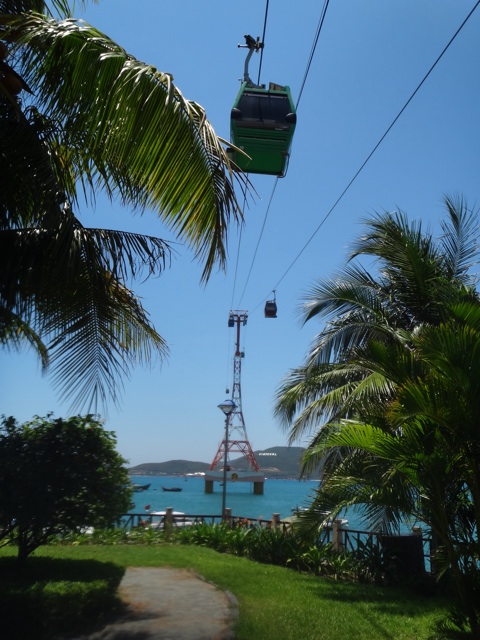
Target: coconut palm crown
column 389, row 395
column 79, row 116
column 416, row 279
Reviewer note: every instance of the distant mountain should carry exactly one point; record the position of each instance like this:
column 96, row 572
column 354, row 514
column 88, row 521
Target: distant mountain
column 276, row 462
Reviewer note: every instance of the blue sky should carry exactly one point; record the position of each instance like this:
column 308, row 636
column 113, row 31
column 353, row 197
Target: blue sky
column 370, row 57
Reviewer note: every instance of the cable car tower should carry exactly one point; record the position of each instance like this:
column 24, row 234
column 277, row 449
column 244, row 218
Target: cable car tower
column 235, row 438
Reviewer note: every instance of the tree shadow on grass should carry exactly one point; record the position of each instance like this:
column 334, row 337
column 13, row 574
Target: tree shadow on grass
column 48, row 597
column 372, row 603
column 391, row 599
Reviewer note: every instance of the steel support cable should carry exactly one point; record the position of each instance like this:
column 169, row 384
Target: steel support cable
column 305, row 75
column 327, row 215
column 263, row 226
column 312, row 52
column 263, row 41
column 258, row 242
column 245, row 196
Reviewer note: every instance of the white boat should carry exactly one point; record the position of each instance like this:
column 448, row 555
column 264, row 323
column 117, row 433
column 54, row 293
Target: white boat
column 179, row 519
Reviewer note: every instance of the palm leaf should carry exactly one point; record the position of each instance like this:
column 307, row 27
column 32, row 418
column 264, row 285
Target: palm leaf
column 64, row 283
column 460, row 240
column 15, row 332
column 129, row 131
column 413, row 265
column 62, row 7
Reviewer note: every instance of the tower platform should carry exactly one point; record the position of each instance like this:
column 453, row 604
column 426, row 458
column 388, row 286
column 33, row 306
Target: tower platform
column 235, row 476
column 257, row 478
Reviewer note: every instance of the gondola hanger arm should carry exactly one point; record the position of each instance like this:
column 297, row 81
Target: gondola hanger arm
column 253, row 46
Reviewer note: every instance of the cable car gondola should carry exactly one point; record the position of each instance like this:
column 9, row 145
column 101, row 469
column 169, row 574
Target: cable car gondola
column 271, row 307
column 262, row 124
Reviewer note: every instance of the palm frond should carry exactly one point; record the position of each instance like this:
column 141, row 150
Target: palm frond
column 15, row 332
column 96, row 336
column 29, row 188
column 65, row 283
column 48, row 7
column 352, row 287
column 460, row 240
column 129, row 131
column 314, row 394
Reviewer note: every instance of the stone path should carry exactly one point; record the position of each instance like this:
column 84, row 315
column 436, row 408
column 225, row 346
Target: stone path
column 170, row 604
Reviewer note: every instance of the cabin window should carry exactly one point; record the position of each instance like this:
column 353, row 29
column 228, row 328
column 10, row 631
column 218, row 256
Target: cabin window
column 264, row 108
column 270, row 309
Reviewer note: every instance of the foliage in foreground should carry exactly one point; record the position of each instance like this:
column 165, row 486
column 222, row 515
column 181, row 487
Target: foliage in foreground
column 80, row 117
column 390, row 396
column 58, row 475
column 370, row 563
column 271, row 599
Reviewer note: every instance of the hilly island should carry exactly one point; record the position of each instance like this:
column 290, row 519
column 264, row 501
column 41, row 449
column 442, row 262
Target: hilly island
column 276, row 462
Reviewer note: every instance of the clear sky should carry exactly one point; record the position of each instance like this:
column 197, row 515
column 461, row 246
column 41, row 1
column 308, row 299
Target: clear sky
column 370, row 57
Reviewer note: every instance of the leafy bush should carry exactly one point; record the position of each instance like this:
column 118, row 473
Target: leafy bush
column 56, row 476
column 324, row 561
column 214, row 536
column 272, row 545
column 372, row 563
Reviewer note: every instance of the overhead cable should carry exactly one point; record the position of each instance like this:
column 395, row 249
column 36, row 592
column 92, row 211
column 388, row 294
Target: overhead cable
column 307, row 69
column 258, row 242
column 314, row 46
column 394, row 121
column 245, row 193
column 263, row 41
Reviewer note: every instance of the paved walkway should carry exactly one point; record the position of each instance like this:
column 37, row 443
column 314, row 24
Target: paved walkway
column 170, row 604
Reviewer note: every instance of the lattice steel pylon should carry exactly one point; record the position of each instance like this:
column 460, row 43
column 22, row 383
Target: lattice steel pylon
column 237, row 440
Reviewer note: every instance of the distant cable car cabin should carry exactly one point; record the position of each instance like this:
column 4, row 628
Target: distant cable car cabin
column 271, row 307
column 262, row 124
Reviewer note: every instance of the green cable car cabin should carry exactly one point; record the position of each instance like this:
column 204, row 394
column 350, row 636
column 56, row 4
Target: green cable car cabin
column 262, row 124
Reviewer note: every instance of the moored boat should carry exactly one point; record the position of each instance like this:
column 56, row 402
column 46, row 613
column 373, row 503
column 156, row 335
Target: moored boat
column 140, row 487
column 179, row 519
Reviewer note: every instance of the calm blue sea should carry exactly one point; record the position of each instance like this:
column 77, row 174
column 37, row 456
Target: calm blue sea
column 280, row 496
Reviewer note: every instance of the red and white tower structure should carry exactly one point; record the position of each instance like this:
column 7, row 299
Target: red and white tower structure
column 235, row 438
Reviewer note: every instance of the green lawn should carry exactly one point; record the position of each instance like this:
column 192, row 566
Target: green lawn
column 74, row 584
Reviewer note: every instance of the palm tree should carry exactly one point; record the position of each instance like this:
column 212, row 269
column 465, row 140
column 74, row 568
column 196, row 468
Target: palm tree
column 79, row 115
column 390, row 391
column 424, row 465
column 417, row 279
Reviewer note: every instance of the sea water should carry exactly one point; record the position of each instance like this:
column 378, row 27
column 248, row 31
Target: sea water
column 280, row 496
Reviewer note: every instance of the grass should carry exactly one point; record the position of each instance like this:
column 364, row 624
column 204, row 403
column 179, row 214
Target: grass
column 51, row 595
column 66, row 587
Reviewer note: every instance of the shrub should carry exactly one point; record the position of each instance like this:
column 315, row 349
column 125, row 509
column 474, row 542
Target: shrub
column 57, row 476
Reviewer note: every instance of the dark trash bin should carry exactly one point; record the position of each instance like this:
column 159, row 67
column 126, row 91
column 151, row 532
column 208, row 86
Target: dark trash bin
column 404, row 554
